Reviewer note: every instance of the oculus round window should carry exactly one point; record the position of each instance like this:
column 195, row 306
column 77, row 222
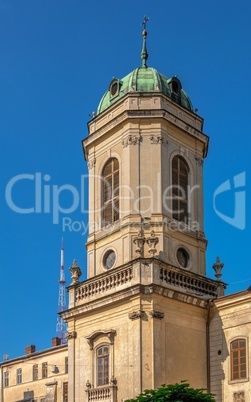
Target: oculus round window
column 182, row 257
column 109, row 259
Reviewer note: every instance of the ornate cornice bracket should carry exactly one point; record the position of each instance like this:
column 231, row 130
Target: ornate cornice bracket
column 91, row 163
column 71, row 335
column 135, row 314
column 199, row 160
column 131, row 140
column 156, row 314
column 158, row 139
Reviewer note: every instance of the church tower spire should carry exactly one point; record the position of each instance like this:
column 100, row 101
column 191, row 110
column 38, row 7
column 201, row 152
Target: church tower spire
column 144, row 54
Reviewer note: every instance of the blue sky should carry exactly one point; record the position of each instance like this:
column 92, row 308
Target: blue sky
column 57, row 60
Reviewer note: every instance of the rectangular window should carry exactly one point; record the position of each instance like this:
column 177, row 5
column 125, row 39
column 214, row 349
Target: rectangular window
column 19, row 376
column 238, row 352
column 65, row 392
column 66, row 365
column 44, row 370
column 35, row 372
column 6, row 378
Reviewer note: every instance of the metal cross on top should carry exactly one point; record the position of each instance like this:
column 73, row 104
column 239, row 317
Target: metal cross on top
column 145, row 21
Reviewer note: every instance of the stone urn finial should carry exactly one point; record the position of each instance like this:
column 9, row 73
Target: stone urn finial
column 75, row 273
column 152, row 241
column 218, row 268
column 140, row 241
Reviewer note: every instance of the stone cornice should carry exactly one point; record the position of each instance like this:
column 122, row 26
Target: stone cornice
column 139, row 290
column 167, row 110
column 236, row 299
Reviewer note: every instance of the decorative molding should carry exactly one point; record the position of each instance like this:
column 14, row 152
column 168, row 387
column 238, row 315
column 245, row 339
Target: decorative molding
column 131, row 140
column 110, row 333
column 135, row 314
column 156, row 314
column 158, row 139
column 71, row 335
column 91, row 163
column 199, row 160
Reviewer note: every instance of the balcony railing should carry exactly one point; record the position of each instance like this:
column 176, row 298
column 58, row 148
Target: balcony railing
column 147, row 272
column 108, row 394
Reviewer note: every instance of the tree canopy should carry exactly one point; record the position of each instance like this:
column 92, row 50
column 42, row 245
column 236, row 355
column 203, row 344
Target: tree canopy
column 174, row 393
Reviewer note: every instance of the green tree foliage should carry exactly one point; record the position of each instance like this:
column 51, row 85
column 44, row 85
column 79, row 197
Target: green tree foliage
column 174, row 393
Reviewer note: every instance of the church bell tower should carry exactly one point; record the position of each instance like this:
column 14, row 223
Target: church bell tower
column 145, row 150
column 141, row 318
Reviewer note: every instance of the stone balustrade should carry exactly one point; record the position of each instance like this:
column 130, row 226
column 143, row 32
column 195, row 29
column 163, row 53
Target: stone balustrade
column 147, row 272
column 108, row 393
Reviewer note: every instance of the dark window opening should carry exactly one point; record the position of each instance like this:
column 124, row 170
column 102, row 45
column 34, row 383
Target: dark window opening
column 180, row 189
column 110, row 183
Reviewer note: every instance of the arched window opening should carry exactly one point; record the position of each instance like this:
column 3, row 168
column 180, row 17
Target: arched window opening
column 102, row 358
column 180, row 189
column 238, row 359
column 110, row 182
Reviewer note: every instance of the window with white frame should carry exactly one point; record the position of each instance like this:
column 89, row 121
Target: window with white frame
column 19, row 376
column 102, row 365
column 238, row 359
column 6, row 379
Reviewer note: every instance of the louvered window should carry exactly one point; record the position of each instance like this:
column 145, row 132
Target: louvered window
column 102, row 366
column 180, row 189
column 110, row 184
column 238, row 352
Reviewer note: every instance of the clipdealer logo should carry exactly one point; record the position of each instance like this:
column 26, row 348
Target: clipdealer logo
column 49, row 198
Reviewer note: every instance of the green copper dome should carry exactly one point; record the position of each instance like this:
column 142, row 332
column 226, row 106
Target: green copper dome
column 145, row 79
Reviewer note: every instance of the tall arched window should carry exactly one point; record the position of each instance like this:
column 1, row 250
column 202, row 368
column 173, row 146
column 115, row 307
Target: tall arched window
column 179, row 189
column 238, row 359
column 110, row 184
column 102, row 360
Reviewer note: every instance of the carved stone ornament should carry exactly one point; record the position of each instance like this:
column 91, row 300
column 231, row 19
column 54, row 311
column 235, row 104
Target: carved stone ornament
column 75, row 273
column 135, row 314
column 199, row 160
column 131, row 140
column 88, row 384
column 70, row 335
column 110, row 333
column 113, row 380
column 140, row 241
column 91, row 163
column 152, row 241
column 158, row 139
column 156, row 314
column 239, row 396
